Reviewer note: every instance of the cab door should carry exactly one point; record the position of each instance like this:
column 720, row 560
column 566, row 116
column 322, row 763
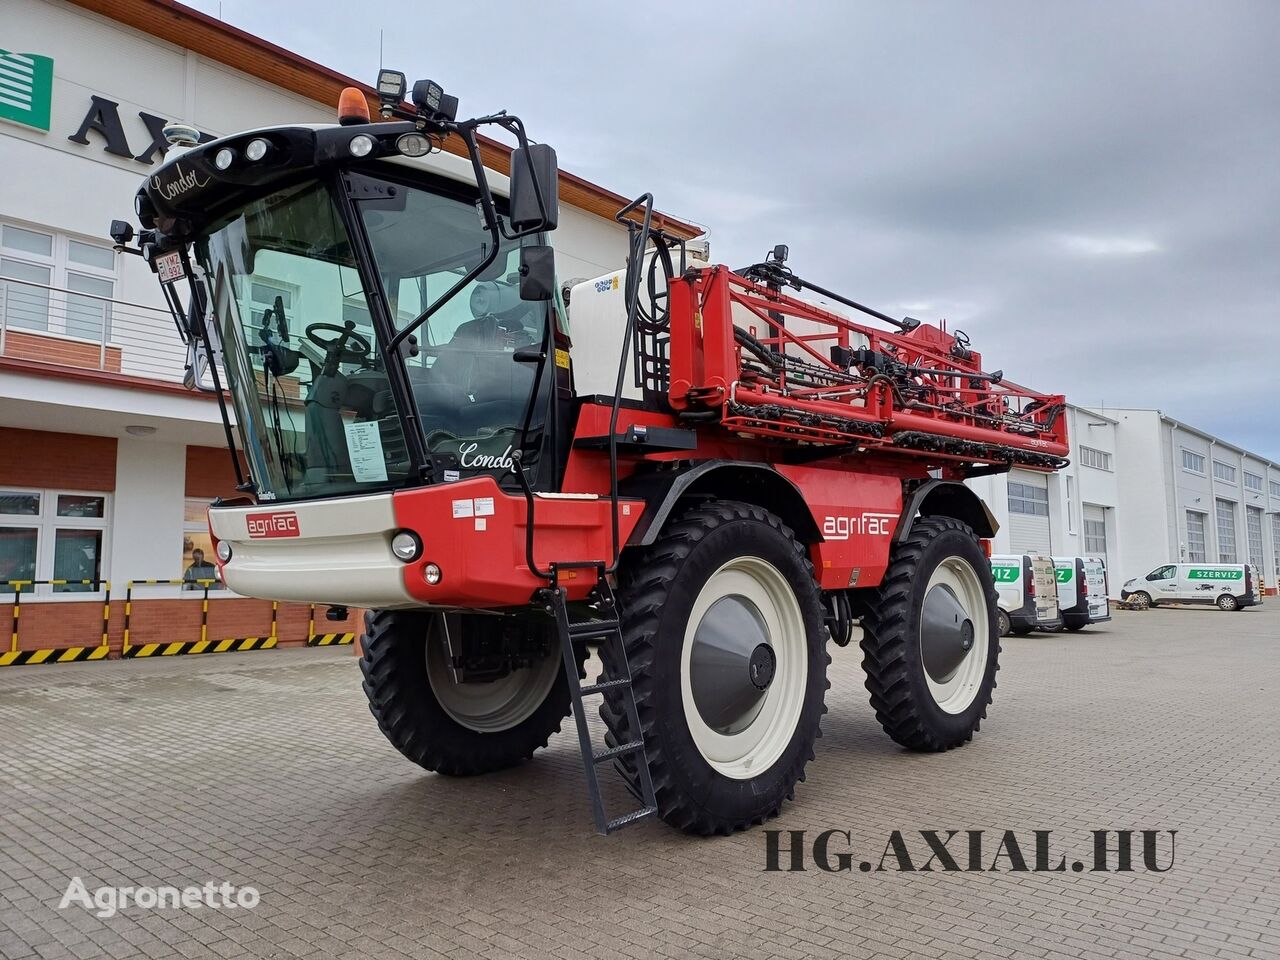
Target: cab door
column 1163, row 583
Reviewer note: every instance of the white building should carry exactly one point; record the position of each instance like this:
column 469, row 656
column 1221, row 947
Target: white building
column 1189, row 496
column 107, row 461
column 1143, row 489
column 1072, row 512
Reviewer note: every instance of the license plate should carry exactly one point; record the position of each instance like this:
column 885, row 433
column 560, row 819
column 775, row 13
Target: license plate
column 169, row 266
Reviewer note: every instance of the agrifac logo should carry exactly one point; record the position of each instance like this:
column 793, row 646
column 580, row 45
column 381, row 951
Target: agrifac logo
column 865, row 524
column 106, row 902
column 282, row 523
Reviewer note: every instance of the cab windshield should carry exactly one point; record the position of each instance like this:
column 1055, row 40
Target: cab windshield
column 303, row 359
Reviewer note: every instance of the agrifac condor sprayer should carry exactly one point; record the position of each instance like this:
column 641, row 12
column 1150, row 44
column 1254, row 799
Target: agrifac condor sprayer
column 713, row 480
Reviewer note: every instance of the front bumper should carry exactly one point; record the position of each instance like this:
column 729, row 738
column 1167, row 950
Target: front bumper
column 339, row 550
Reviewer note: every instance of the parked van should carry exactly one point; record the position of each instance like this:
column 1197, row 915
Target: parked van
column 1027, row 588
column 1231, row 586
column 1082, row 591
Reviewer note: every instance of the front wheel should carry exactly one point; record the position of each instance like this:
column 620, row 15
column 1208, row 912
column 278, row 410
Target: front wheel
column 458, row 729
column 724, row 630
column 1142, row 600
column 930, row 637
column 1228, row 602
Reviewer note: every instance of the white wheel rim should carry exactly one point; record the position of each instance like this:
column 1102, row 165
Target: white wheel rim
column 955, row 692
column 754, row 584
column 488, row 707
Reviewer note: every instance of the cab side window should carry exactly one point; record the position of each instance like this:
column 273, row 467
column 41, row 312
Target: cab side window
column 1163, row 573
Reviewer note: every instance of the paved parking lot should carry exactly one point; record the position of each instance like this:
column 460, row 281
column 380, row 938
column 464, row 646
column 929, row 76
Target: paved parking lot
column 265, row 769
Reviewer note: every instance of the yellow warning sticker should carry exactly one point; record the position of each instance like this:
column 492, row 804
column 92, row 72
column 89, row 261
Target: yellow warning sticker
column 562, row 358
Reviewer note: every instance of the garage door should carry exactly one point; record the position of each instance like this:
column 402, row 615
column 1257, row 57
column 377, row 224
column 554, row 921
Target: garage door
column 1028, row 512
column 1095, row 532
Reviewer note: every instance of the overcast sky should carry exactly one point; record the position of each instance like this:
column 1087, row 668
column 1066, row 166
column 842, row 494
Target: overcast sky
column 1090, row 190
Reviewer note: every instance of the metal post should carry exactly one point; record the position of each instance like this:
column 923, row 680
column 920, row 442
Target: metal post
column 17, row 604
column 275, row 604
column 128, row 613
column 204, row 613
column 311, row 624
column 106, row 613
column 4, row 314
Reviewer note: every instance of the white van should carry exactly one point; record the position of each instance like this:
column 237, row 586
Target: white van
column 1027, row 588
column 1082, row 591
column 1231, row 586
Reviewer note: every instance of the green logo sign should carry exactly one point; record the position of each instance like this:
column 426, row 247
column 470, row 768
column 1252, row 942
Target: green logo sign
column 1065, row 574
column 1204, row 573
column 1004, row 573
column 26, row 88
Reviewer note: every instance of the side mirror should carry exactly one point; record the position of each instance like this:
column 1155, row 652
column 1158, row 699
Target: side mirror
column 537, row 273
column 534, row 171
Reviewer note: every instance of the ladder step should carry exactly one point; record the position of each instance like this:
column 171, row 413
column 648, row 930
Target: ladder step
column 593, row 628
column 605, row 685
column 600, row 756
column 619, row 822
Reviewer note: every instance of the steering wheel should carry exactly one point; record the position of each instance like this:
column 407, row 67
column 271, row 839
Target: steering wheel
column 345, row 335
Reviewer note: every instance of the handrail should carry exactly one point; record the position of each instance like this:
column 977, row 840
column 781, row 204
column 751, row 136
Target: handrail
column 17, row 586
column 163, row 311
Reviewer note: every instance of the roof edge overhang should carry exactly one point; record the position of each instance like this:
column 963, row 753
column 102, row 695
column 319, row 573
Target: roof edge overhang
column 209, row 37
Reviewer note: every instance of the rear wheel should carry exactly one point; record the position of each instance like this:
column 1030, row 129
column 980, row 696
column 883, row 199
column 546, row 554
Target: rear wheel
column 458, row 729
column 1073, row 627
column 1227, row 602
column 1003, row 626
column 724, row 632
column 930, row 637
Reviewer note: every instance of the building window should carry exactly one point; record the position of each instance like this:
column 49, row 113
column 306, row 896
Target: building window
column 1224, row 471
column 1192, row 462
column 52, row 535
column 1252, row 481
column 1253, row 527
column 1275, row 489
column 1098, row 459
column 1226, row 511
column 1024, row 498
column 197, row 546
column 1195, row 537
column 1095, row 537
column 52, row 283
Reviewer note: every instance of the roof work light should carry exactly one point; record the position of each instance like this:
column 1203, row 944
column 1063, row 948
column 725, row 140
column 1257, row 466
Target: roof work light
column 391, row 87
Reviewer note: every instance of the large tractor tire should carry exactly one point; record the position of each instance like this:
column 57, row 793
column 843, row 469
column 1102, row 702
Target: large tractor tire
column 458, row 729
column 724, row 632
column 930, row 637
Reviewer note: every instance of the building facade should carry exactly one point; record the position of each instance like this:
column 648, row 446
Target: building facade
column 1073, row 512
column 1192, row 497
column 1143, row 489
column 108, row 462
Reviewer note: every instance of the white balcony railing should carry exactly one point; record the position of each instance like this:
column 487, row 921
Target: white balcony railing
column 53, row 325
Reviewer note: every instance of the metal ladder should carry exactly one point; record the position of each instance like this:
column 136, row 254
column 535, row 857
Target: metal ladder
column 607, row 629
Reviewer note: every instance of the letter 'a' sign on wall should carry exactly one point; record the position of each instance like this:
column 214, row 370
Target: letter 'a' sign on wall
column 26, row 88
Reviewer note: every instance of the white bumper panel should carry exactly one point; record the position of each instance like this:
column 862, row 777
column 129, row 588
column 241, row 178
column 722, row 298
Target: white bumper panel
column 327, row 551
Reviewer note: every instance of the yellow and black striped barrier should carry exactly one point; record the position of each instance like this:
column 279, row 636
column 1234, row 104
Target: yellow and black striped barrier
column 14, row 657
column 325, row 639
column 204, row 644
